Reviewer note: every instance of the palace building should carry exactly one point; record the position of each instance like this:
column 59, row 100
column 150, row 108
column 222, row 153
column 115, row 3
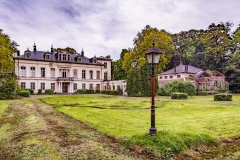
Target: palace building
column 63, row 70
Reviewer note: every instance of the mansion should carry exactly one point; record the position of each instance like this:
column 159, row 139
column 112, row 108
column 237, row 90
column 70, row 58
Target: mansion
column 64, row 71
column 203, row 80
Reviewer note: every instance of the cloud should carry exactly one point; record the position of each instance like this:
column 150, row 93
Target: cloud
column 105, row 27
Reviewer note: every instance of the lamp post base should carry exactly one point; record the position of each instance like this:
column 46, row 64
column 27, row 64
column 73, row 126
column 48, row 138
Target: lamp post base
column 152, row 130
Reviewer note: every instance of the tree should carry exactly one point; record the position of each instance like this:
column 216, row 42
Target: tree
column 7, row 48
column 134, row 63
column 118, row 73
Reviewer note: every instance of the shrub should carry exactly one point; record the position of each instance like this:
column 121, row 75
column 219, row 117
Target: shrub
column 24, row 93
column 81, row 91
column 28, row 89
column 90, row 91
column 177, row 86
column 97, row 91
column 202, row 93
column 110, row 92
column 49, row 91
column 179, row 95
column 39, row 91
column 223, row 97
column 3, row 96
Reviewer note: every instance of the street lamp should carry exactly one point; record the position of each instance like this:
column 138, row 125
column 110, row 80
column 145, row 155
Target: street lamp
column 153, row 56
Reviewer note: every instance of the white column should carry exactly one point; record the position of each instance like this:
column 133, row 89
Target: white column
column 60, row 87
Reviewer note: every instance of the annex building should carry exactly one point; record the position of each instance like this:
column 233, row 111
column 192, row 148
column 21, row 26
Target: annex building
column 64, row 71
column 203, row 80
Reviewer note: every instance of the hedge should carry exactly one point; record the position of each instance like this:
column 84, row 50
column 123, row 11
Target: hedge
column 179, row 95
column 223, row 97
column 39, row 91
column 49, row 91
column 202, row 93
column 82, row 91
column 24, row 93
column 90, row 91
column 110, row 92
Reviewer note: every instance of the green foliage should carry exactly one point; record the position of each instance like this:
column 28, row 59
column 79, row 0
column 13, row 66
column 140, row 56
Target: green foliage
column 179, row 95
column 223, row 97
column 120, row 91
column 202, row 93
column 49, row 91
column 24, row 93
column 110, row 92
column 177, row 86
column 82, row 91
column 139, row 82
column 8, row 87
column 118, row 73
column 90, row 91
column 39, row 91
column 28, row 89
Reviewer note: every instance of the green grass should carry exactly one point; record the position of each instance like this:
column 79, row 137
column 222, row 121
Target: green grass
column 3, row 107
column 181, row 124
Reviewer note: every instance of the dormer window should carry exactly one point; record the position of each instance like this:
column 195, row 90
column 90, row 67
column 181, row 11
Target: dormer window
column 60, row 57
column 27, row 55
column 79, row 59
column 64, row 57
column 47, row 56
column 69, row 57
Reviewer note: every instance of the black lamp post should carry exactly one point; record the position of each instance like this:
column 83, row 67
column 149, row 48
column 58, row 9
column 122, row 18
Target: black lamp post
column 153, row 56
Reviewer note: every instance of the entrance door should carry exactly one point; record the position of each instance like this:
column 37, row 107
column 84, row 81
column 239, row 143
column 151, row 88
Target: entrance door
column 65, row 87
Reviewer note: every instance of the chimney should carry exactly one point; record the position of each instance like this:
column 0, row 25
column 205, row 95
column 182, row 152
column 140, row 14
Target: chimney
column 186, row 68
column 108, row 57
column 34, row 47
column 82, row 53
column 52, row 48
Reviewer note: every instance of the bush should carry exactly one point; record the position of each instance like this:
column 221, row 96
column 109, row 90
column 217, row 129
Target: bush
column 90, row 91
column 202, row 93
column 3, row 96
column 39, row 91
column 97, row 91
column 223, row 97
column 110, row 92
column 179, row 95
column 28, row 89
column 177, row 86
column 24, row 93
column 81, row 91
column 49, row 91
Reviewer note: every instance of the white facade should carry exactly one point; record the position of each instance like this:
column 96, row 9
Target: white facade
column 113, row 85
column 61, row 71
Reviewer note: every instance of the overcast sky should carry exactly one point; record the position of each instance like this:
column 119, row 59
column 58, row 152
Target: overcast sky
column 105, row 27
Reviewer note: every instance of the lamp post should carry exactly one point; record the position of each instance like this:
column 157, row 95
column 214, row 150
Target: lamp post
column 153, row 56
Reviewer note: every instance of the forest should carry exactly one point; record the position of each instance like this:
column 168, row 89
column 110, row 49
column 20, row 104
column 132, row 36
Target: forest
column 214, row 48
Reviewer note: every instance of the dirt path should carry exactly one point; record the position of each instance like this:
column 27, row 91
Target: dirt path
column 31, row 129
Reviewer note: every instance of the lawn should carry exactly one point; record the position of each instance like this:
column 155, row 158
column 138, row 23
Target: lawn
column 3, row 107
column 181, row 123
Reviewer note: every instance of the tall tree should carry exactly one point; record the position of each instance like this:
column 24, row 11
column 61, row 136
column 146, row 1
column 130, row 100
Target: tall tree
column 7, row 48
column 118, row 73
column 134, row 64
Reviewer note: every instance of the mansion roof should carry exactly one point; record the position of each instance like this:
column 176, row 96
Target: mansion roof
column 182, row 69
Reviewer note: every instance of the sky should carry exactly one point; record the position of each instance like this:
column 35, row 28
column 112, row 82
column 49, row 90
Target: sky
column 105, row 27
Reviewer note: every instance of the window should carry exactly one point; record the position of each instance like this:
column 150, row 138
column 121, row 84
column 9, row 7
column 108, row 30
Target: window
column 53, row 86
column 47, row 56
column 32, row 85
column 64, row 57
column 75, row 73
column 23, row 71
column 74, row 86
column 79, row 59
column 60, row 56
column 113, row 87
column 52, row 72
column 98, row 87
column 91, row 86
column 98, row 74
column 160, row 77
column 32, row 71
column 165, row 77
column 23, row 85
column 105, row 75
column 42, row 86
column 83, row 74
column 69, row 57
column 171, row 77
column 91, row 74
column 105, row 64
column 64, row 73
column 83, row 86
column 178, row 76
column 42, row 72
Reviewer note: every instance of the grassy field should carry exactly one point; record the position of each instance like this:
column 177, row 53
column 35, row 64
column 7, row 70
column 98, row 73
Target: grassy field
column 3, row 107
column 181, row 124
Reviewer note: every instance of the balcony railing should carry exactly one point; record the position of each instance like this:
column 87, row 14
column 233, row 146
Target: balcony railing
column 65, row 78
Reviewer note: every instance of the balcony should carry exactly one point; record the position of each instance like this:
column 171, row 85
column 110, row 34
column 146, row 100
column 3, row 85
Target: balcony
column 65, row 79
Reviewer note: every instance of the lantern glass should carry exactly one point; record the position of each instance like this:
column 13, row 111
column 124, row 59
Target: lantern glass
column 153, row 57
